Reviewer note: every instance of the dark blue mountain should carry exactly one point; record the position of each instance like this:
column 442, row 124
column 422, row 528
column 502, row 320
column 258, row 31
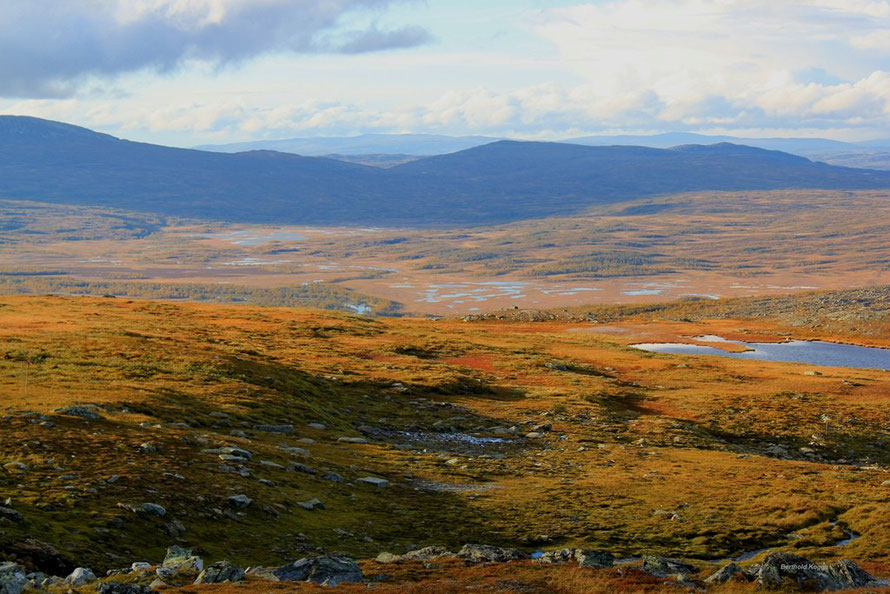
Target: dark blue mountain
column 498, row 182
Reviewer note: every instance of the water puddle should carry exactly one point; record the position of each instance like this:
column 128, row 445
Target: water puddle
column 811, row 352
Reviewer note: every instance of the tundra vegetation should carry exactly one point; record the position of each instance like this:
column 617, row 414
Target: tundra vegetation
column 260, row 436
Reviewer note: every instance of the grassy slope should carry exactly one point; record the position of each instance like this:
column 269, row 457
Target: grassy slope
column 704, row 425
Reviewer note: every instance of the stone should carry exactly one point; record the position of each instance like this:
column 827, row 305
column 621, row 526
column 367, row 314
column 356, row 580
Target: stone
column 593, row 559
column 81, row 577
column 849, row 575
column 144, row 509
column 432, row 552
column 295, row 451
column 333, row 477
column 302, row 468
column 221, row 571
column 663, row 567
column 240, row 501
column 357, row 440
column 476, row 553
column 11, row 515
column 318, row 426
column 733, row 571
column 180, row 559
column 282, row 429
column 373, row 481
column 12, row 578
column 783, row 571
column 84, row 412
column 311, row 504
column 329, row 570
column 122, row 588
column 140, row 566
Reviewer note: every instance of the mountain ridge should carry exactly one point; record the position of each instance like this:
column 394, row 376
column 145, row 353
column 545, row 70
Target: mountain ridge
column 498, row 182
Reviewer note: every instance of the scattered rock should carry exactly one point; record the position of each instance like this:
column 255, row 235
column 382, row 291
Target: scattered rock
column 311, row 504
column 733, row 571
column 144, row 509
column 11, row 515
column 326, row 570
column 318, row 426
column 432, row 552
column 12, row 578
column 663, row 567
column 282, row 429
column 302, row 468
column 594, row 559
column 84, row 412
column 373, row 481
column 481, row 553
column 358, row 440
column 333, row 477
column 784, row 570
column 221, row 571
column 180, row 559
column 122, row 588
column 240, row 501
column 81, row 577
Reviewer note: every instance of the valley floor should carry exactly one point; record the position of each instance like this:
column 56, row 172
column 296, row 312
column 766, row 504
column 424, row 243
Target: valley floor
column 536, row 435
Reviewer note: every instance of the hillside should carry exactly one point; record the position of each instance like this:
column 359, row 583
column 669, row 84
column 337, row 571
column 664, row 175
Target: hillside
column 256, row 430
column 499, row 182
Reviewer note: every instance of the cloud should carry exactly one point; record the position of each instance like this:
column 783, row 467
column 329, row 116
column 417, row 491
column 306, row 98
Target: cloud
column 48, row 47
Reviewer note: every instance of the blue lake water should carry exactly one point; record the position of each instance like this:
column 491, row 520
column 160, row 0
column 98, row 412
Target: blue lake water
column 811, row 352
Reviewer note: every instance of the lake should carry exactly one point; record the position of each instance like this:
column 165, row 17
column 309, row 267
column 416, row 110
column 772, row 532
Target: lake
column 811, row 352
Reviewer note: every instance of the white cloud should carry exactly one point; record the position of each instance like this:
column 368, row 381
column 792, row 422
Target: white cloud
column 613, row 66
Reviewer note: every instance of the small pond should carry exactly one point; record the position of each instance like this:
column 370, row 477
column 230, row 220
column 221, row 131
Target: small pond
column 810, row 352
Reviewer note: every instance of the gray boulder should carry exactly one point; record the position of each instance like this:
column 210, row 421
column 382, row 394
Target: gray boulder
column 282, row 429
column 594, row 559
column 221, row 571
column 81, row 577
column 733, row 571
column 475, row 553
column 663, row 567
column 327, row 570
column 180, row 559
column 11, row 515
column 584, row 557
column 84, row 412
column 12, row 578
column 781, row 571
column 373, row 481
column 241, row 501
column 312, row 504
column 415, row 555
column 122, row 588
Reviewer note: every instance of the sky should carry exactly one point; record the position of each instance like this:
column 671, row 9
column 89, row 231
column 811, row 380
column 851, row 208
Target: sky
column 190, row 72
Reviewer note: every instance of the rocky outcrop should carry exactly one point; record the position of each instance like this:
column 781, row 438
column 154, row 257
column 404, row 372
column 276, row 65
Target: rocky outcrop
column 12, row 578
column 220, row 572
column 727, row 573
column 180, row 560
column 780, row 571
column 122, row 588
column 584, row 557
column 476, row 553
column 663, row 567
column 80, row 577
column 415, row 555
column 329, row 570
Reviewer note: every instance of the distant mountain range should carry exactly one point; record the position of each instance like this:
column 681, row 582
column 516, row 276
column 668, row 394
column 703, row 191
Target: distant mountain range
column 366, row 144
column 497, row 182
column 872, row 153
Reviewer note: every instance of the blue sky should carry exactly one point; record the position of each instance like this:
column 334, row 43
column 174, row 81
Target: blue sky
column 188, row 72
